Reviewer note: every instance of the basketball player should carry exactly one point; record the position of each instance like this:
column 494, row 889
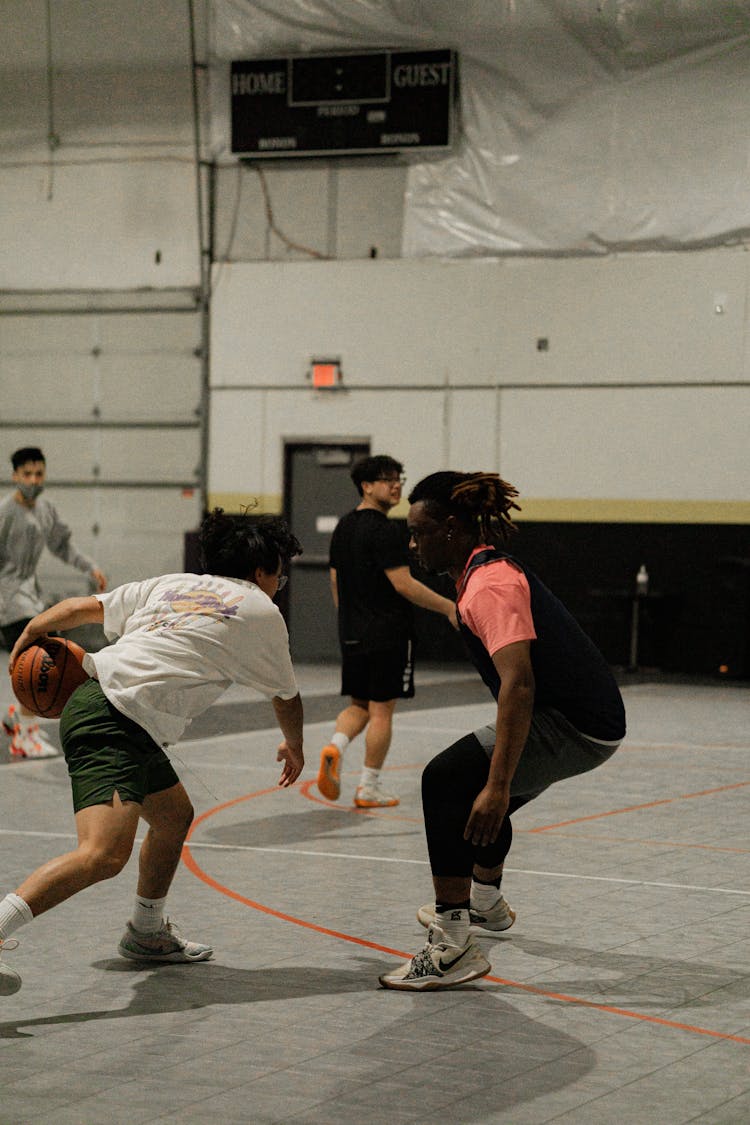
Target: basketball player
column 181, row 640
column 373, row 590
column 28, row 523
column 559, row 713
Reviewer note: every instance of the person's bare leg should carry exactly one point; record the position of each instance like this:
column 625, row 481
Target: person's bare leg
column 353, row 719
column 451, row 889
column 379, row 732
column 487, row 874
column 169, row 815
column 105, row 841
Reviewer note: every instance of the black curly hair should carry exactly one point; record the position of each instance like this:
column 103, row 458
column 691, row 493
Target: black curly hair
column 236, row 546
column 481, row 502
column 372, row 468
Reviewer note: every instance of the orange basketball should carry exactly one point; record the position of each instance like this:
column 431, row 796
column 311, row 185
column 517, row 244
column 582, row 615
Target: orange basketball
column 46, row 675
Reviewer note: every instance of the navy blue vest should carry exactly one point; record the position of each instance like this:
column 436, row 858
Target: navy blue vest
column 570, row 673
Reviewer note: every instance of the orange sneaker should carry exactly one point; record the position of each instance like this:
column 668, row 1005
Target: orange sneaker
column 329, row 781
column 10, row 720
column 373, row 797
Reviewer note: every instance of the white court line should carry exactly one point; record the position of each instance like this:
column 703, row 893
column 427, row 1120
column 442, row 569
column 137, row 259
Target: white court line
column 194, row 846
column 405, row 724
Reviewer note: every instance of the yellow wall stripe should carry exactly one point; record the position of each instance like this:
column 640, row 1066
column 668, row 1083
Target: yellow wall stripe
column 634, row 511
column 549, row 511
column 259, row 503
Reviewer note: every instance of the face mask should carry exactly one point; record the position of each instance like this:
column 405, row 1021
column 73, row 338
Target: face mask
column 30, row 491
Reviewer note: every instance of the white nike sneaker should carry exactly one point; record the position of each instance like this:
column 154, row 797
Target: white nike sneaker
column 167, row 944
column 499, row 917
column 438, row 965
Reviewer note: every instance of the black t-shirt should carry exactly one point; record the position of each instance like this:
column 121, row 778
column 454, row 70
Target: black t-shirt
column 372, row 616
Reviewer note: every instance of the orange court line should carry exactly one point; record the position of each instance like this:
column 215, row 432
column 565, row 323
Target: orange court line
column 198, row 871
column 228, row 805
column 633, row 840
column 637, row 808
column 306, row 786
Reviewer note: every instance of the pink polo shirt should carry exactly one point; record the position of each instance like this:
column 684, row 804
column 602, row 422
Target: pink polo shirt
column 495, row 603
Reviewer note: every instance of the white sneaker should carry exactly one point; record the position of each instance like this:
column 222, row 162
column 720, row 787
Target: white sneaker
column 438, row 965
column 373, row 797
column 167, row 944
column 29, row 742
column 10, row 981
column 499, row 917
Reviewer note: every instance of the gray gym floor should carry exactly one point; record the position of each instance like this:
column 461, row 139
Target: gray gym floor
column 620, row 995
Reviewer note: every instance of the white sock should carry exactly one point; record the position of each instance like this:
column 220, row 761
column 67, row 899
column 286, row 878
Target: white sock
column 455, row 925
column 148, row 914
column 369, row 777
column 483, row 897
column 340, row 741
column 14, row 913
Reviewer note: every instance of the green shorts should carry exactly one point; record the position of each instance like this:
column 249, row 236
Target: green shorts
column 107, row 753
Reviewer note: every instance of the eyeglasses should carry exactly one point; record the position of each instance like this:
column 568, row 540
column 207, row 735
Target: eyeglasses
column 282, row 580
column 393, row 480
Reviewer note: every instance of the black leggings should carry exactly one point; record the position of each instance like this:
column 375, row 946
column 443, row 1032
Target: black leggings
column 451, row 783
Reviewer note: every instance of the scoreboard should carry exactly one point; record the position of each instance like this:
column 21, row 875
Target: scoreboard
column 323, row 105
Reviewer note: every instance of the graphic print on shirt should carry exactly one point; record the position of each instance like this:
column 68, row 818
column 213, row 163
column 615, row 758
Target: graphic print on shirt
column 179, row 607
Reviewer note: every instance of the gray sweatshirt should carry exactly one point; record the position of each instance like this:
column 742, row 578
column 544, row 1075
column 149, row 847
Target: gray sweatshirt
column 23, row 535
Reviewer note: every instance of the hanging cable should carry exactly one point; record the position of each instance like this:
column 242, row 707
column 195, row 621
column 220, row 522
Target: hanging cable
column 272, row 222
column 53, row 140
column 204, row 249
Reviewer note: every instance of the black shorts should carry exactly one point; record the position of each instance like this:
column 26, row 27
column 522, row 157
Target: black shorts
column 107, row 752
column 12, row 631
column 379, row 676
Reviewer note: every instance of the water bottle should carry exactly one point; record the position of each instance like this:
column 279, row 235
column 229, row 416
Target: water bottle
column 641, row 581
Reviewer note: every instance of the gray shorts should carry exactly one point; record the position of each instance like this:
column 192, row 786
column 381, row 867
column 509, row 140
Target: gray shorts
column 554, row 750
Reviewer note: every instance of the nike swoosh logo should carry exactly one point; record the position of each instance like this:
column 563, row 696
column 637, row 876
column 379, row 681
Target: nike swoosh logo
column 446, row 965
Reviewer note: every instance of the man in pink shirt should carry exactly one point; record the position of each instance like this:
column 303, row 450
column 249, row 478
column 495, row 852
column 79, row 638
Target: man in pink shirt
column 559, row 713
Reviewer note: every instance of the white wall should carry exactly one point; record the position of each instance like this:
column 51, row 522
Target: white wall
column 97, row 169
column 441, row 364
column 640, row 397
column 100, row 331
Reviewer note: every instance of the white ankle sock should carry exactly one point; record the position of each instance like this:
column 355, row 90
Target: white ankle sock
column 148, row 914
column 455, row 925
column 340, row 741
column 483, row 897
column 369, row 777
column 14, row 913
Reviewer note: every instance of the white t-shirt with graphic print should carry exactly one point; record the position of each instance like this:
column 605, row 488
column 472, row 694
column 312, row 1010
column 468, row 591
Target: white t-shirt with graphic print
column 181, row 641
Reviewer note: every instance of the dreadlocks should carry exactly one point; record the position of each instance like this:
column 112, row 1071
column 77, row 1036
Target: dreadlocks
column 480, row 500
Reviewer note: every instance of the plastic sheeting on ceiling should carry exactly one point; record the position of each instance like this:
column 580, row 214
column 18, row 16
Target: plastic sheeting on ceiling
column 586, row 127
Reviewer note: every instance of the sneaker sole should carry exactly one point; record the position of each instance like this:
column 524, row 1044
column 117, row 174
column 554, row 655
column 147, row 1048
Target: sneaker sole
column 426, row 916
column 328, row 779
column 360, row 804
column 178, row 957
column 434, row 984
column 10, row 981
